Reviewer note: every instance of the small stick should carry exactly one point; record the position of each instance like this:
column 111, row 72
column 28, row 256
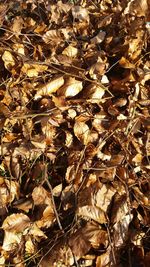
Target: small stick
column 53, row 201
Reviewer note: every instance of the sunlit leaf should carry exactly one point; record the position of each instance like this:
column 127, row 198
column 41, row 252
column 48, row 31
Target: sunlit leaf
column 92, row 212
column 16, row 223
column 8, row 59
column 71, row 88
column 50, row 87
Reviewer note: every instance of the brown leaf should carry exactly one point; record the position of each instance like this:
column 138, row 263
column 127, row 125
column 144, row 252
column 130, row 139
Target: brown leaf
column 33, row 70
column 70, row 51
column 80, row 13
column 92, row 212
column 41, row 196
column 81, row 131
column 71, row 88
column 8, row 59
column 95, row 234
column 120, row 208
column 56, row 36
column 103, row 197
column 99, row 38
column 17, row 25
column 16, row 223
column 50, row 87
column 79, row 244
column 94, row 93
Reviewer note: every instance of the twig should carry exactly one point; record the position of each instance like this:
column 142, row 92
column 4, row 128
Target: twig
column 53, row 201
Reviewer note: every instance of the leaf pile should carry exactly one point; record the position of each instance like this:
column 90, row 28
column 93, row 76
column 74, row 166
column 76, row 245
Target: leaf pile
column 75, row 133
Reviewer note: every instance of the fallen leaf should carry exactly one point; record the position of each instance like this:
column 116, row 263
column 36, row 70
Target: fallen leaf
column 70, row 51
column 80, row 13
column 103, row 197
column 16, row 223
column 33, row 70
column 71, row 88
column 50, row 87
column 92, row 212
column 81, row 131
column 8, row 59
column 99, row 38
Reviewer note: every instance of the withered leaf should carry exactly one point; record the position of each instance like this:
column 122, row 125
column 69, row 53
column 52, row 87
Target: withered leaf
column 79, row 244
column 81, row 131
column 71, row 88
column 80, row 13
column 8, row 59
column 50, row 87
column 104, row 196
column 92, row 212
column 16, row 223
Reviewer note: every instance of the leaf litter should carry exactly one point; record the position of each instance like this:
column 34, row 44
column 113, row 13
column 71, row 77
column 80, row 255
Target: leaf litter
column 75, row 133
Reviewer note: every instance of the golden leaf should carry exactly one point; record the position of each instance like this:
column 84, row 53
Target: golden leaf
column 104, row 196
column 70, row 51
column 36, row 232
column 50, row 87
column 94, row 93
column 8, row 59
column 92, row 212
column 19, row 48
column 56, row 36
column 41, row 196
column 33, row 70
column 81, row 131
column 29, row 247
column 16, row 223
column 11, row 240
column 57, row 190
column 126, row 63
column 71, row 88
column 17, row 25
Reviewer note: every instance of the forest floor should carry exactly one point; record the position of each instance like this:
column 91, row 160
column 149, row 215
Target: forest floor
column 75, row 133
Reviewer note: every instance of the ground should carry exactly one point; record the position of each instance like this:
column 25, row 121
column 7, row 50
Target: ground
column 75, row 133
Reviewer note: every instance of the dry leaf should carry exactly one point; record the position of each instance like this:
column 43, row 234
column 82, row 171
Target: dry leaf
column 35, row 232
column 47, row 218
column 81, row 131
column 92, row 212
column 17, row 25
column 95, row 234
column 104, row 196
column 120, row 208
column 41, row 196
column 50, row 87
column 16, row 223
column 80, row 13
column 8, row 59
column 126, row 63
column 57, row 190
column 29, row 247
column 11, row 240
column 33, row 70
column 71, row 88
column 70, row 51
column 121, row 230
column 99, row 38
column 94, row 93
column 19, row 48
column 56, row 36
column 79, row 244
